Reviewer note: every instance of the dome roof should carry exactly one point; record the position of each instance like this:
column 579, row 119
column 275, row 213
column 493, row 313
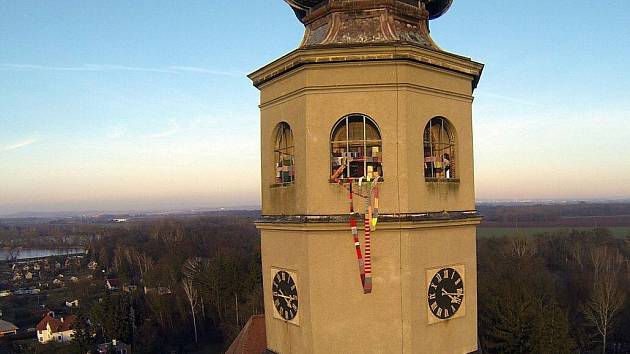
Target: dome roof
column 436, row 8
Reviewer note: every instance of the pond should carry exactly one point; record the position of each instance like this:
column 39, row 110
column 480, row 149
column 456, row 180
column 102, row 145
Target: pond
column 40, row 252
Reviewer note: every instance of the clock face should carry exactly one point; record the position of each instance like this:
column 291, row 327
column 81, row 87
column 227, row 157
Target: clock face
column 446, row 293
column 285, row 295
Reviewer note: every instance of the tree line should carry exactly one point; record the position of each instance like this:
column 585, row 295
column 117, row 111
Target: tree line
column 559, row 292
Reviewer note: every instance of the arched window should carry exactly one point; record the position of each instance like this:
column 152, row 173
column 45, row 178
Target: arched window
column 439, row 150
column 283, row 154
column 356, row 144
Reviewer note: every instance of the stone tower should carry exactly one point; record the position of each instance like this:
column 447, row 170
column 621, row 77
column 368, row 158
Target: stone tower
column 370, row 107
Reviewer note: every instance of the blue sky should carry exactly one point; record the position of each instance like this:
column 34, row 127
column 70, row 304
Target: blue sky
column 145, row 105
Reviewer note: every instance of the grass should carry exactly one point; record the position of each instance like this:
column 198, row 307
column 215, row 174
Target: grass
column 484, row 232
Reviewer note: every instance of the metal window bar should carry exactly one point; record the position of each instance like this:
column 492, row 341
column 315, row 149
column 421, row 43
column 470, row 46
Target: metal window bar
column 347, row 143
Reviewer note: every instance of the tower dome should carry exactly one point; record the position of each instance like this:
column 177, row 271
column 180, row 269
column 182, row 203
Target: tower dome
column 343, row 22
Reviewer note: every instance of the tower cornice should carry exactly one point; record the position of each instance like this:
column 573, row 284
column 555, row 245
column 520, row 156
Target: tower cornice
column 346, row 54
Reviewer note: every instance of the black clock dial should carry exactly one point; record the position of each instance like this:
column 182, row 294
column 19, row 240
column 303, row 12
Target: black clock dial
column 285, row 295
column 446, row 293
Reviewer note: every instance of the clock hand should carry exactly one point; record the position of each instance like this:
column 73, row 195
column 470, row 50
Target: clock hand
column 454, row 294
column 288, row 299
column 455, row 297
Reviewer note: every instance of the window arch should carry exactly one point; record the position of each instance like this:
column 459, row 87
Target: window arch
column 439, row 149
column 284, row 151
column 356, row 144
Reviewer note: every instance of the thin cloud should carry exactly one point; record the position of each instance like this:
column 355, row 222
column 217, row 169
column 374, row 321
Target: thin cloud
column 110, row 67
column 172, row 130
column 508, row 99
column 194, row 69
column 19, row 145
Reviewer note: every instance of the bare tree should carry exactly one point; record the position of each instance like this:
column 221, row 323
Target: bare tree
column 14, row 252
column 607, row 297
column 191, row 294
column 577, row 253
column 522, row 247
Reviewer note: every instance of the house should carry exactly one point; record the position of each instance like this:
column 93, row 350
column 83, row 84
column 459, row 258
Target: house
column 115, row 346
column 74, row 279
column 252, row 338
column 130, row 288
column 7, row 328
column 57, row 282
column 92, row 265
column 28, row 276
column 112, row 284
column 74, row 303
column 160, row 290
column 55, row 329
column 17, row 276
column 27, row 291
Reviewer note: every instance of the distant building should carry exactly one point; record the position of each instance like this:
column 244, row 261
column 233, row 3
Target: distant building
column 160, row 290
column 27, row 291
column 115, row 346
column 7, row 328
column 112, row 284
column 74, row 303
column 130, row 288
column 57, row 330
column 92, row 265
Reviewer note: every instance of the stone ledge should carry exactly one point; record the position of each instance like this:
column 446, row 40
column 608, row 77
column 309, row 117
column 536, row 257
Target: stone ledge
column 386, row 218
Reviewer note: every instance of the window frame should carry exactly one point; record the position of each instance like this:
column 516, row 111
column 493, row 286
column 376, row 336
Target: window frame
column 283, row 130
column 347, row 143
column 450, row 148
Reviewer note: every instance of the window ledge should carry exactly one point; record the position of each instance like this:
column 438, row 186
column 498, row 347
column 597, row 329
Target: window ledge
column 354, row 180
column 281, row 185
column 441, row 180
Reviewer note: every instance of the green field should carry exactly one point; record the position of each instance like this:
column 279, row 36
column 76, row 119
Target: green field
column 511, row 231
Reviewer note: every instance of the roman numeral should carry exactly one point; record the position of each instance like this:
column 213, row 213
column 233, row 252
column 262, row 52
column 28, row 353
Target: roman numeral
column 433, row 306
column 439, row 312
column 453, row 309
column 439, row 277
column 431, row 296
column 446, row 313
column 293, row 287
column 458, row 281
column 445, row 273
column 283, row 275
column 433, row 286
column 277, row 302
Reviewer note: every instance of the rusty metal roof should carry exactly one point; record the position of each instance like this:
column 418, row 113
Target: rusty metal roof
column 436, row 8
